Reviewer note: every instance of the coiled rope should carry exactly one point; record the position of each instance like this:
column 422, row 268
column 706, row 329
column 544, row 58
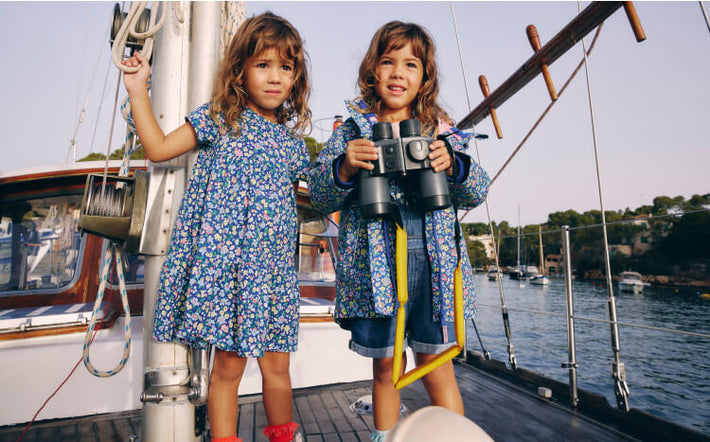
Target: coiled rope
column 129, row 28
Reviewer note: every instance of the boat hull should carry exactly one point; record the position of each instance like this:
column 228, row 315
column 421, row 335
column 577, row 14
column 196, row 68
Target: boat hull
column 539, row 280
column 630, row 287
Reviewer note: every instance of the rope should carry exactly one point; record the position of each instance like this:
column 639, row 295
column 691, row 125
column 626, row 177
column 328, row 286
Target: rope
column 128, row 28
column 97, row 305
column 130, row 140
column 233, row 14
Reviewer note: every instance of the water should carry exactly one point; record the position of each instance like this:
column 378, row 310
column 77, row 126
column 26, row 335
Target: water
column 667, row 373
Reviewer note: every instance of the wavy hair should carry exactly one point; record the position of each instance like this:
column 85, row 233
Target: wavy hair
column 255, row 35
column 391, row 37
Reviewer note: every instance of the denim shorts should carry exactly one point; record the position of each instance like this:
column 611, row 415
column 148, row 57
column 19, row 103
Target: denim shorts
column 374, row 337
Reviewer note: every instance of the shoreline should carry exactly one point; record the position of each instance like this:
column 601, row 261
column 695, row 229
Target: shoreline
column 666, row 281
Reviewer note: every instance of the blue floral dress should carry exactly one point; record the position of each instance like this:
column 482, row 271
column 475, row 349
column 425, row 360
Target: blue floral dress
column 229, row 278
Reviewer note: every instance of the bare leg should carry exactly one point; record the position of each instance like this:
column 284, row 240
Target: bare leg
column 385, row 398
column 441, row 385
column 278, row 398
column 223, row 395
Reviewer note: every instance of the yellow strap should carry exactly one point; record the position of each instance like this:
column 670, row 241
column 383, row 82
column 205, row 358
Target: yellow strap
column 402, row 296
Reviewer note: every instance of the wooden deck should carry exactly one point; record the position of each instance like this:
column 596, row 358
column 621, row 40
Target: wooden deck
column 503, row 410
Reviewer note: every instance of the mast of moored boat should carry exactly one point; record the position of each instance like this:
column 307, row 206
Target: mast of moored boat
column 542, row 260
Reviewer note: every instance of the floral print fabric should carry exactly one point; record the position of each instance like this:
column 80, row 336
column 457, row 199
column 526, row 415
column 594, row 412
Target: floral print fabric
column 229, row 278
column 364, row 276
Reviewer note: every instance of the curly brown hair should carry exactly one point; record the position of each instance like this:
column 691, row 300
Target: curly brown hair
column 254, row 35
column 391, row 37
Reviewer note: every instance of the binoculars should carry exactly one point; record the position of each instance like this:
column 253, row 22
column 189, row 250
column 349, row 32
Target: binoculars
column 407, row 159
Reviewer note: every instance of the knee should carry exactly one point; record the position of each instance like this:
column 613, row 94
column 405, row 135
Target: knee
column 227, row 368
column 382, row 369
column 275, row 366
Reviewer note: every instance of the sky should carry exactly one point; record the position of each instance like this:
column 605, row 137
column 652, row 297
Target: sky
column 651, row 100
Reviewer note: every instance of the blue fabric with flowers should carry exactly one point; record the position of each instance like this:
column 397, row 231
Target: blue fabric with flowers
column 364, row 274
column 229, row 278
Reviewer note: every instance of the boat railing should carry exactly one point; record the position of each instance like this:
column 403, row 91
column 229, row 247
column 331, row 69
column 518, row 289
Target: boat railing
column 571, row 364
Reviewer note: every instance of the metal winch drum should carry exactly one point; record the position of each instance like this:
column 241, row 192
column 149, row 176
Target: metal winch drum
column 115, row 209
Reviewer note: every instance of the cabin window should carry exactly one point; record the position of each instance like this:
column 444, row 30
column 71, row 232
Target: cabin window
column 40, row 243
column 316, row 247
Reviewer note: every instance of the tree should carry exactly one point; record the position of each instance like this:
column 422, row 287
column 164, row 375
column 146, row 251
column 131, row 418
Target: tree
column 476, row 253
column 138, row 154
column 697, row 202
column 475, row 229
column 662, row 205
column 314, row 147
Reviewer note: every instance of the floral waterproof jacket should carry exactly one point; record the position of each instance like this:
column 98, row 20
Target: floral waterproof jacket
column 365, row 280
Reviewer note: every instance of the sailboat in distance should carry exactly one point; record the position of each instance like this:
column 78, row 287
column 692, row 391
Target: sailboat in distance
column 540, row 278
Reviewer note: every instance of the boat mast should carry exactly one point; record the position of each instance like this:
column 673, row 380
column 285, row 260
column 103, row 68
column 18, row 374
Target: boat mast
column 178, row 85
column 542, row 261
column 518, row 261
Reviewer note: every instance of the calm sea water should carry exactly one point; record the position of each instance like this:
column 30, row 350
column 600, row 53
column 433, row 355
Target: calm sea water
column 668, row 374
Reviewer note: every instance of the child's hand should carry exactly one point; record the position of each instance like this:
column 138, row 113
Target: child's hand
column 357, row 156
column 439, row 157
column 138, row 79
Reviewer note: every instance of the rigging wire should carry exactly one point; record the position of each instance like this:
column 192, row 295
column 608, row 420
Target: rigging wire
column 463, row 66
column 506, row 324
column 621, row 389
column 72, row 149
column 705, row 15
column 611, row 223
column 602, row 321
column 101, row 105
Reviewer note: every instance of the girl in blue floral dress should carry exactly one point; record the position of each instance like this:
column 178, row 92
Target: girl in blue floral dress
column 398, row 81
column 229, row 279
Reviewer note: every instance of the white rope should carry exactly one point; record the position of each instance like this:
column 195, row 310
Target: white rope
column 97, row 305
column 128, row 28
column 233, row 14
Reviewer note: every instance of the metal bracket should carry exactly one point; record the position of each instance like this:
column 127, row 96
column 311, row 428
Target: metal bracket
column 159, row 210
column 163, row 385
column 621, row 389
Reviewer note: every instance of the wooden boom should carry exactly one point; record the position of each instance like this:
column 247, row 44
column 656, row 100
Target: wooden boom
column 580, row 26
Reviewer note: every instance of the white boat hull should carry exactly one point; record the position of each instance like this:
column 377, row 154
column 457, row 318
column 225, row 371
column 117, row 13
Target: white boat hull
column 540, row 280
column 631, row 287
column 33, row 368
